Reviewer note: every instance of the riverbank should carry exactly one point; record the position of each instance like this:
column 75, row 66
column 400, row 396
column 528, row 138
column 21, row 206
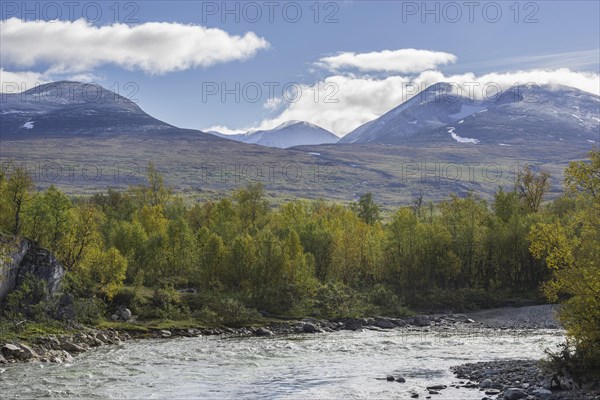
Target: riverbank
column 60, row 348
column 492, row 378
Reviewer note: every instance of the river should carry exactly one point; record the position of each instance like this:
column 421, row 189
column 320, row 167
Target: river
column 337, row 365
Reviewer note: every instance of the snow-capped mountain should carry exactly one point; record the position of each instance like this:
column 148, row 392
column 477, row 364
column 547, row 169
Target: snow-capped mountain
column 519, row 115
column 288, row 134
column 72, row 108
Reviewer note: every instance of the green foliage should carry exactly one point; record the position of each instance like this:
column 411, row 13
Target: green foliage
column 15, row 194
column 166, row 304
column 336, row 300
column 130, row 297
column 101, row 272
column 29, row 299
column 367, row 209
column 569, row 246
column 89, row 310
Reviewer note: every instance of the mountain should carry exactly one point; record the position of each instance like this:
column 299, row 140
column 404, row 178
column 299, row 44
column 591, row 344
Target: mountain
column 73, row 108
column 519, row 115
column 288, row 134
column 84, row 144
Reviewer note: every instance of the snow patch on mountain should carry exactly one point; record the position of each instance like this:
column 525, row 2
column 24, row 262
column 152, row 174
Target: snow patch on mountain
column 459, row 138
column 28, row 125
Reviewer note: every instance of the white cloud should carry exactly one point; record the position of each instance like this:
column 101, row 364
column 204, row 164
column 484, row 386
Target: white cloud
column 402, row 60
column 223, row 129
column 153, row 47
column 12, row 82
column 362, row 99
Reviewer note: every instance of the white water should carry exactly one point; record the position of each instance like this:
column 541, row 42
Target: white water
column 339, row 365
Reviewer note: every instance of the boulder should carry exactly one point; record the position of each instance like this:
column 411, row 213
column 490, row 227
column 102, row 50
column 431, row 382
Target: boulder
column 437, row 387
column 72, row 347
column 2, row 359
column 310, row 328
column 492, row 392
column 12, row 351
column 390, row 378
column 541, row 392
column 28, row 352
column 514, row 394
column 353, row 324
column 398, row 322
column 401, row 379
column 486, row 383
column 42, row 264
column 25, row 258
column 165, row 333
column 123, row 313
column 263, row 332
column 384, row 323
column 421, row 320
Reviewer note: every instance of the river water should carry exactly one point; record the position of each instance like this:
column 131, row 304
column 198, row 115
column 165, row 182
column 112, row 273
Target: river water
column 338, row 365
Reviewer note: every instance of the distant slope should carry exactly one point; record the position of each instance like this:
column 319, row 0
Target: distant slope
column 541, row 114
column 72, row 108
column 289, row 134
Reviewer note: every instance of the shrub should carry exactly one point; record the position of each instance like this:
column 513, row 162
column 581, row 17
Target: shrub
column 338, row 300
column 89, row 311
column 29, row 299
column 386, row 302
column 130, row 298
column 165, row 304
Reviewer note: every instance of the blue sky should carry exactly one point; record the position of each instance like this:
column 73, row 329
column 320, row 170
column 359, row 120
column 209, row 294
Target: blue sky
column 549, row 41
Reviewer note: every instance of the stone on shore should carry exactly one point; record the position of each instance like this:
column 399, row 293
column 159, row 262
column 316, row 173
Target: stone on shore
column 28, row 352
column 310, row 328
column 12, row 351
column 72, row 347
column 486, row 383
column 353, row 324
column 263, row 332
column 421, row 320
column 514, row 394
column 384, row 323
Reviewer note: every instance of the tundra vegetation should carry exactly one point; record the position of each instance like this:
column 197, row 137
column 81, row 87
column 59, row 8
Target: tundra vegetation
column 221, row 262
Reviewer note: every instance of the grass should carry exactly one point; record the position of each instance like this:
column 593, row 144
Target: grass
column 28, row 331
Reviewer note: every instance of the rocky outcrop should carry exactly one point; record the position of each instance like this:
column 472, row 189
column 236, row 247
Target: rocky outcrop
column 20, row 257
column 519, row 379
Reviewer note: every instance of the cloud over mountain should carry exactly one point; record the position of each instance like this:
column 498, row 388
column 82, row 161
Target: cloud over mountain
column 402, row 60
